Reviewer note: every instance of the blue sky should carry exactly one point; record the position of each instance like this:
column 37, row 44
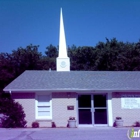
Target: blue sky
column 24, row 22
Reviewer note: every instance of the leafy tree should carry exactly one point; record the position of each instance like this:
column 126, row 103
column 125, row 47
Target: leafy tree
column 15, row 116
column 72, row 52
column 12, row 65
column 82, row 58
column 26, row 58
column 51, row 53
column 7, row 70
column 43, row 63
column 114, row 55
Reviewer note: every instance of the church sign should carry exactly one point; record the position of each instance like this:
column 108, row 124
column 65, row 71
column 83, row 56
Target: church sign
column 130, row 101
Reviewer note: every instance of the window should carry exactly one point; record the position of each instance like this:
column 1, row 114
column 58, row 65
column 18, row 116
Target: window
column 43, row 106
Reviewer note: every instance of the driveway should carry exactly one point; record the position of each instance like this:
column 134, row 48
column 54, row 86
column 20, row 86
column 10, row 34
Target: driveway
column 95, row 133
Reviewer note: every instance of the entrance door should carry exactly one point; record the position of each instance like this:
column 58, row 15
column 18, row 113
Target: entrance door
column 84, row 109
column 100, row 109
column 92, row 109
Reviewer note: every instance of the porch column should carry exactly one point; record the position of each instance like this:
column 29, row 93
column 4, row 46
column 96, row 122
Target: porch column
column 109, row 112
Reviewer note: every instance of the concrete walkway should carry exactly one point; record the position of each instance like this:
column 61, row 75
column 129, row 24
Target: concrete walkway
column 95, row 133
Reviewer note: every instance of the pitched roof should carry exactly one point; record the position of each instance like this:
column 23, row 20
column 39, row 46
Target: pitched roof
column 35, row 80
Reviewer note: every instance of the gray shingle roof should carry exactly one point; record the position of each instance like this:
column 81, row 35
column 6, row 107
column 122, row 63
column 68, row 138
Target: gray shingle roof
column 76, row 80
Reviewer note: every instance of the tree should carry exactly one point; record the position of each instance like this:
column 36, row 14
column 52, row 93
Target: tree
column 7, row 70
column 26, row 58
column 114, row 55
column 13, row 111
column 12, row 65
column 51, row 53
column 82, row 58
column 72, row 52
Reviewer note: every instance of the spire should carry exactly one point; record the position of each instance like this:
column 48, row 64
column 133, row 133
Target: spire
column 62, row 39
column 63, row 61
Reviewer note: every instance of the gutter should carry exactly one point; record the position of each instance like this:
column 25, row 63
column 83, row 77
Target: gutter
column 71, row 90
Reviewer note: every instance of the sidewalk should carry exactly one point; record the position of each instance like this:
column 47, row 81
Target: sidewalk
column 95, row 133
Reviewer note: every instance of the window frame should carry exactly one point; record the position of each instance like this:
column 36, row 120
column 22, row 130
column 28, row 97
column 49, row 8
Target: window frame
column 36, row 106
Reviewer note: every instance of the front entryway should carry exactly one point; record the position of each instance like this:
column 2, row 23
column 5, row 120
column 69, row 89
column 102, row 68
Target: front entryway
column 92, row 109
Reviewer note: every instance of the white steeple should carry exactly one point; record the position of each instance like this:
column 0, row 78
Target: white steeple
column 62, row 39
column 63, row 61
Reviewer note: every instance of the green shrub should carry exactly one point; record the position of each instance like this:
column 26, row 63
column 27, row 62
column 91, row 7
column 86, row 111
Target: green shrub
column 35, row 124
column 53, row 125
column 15, row 116
column 136, row 124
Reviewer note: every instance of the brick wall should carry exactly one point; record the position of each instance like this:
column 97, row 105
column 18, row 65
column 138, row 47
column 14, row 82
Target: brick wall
column 130, row 116
column 27, row 100
column 60, row 114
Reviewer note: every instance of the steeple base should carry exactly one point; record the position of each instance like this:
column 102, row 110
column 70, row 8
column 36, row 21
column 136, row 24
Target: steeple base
column 63, row 64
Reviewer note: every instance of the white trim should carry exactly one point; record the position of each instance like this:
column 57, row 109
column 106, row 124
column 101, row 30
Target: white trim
column 36, row 108
column 85, row 125
column 109, row 104
column 100, row 125
column 72, row 90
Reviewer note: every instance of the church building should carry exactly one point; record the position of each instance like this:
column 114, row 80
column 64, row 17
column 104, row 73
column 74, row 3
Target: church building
column 94, row 98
